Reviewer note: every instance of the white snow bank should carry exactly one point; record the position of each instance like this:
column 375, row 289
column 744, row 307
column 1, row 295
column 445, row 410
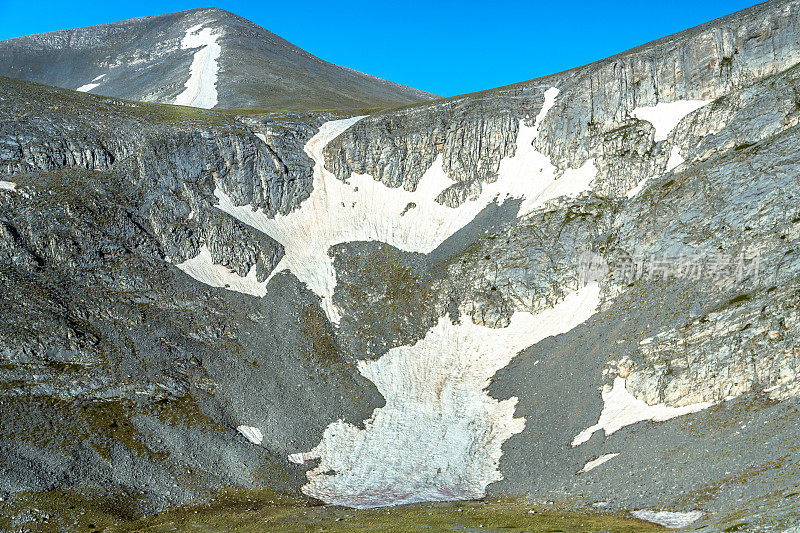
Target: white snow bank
column 675, row 160
column 363, row 209
column 439, row 436
column 252, row 434
column 664, row 116
column 623, row 409
column 89, row 86
column 639, row 186
column 201, row 87
column 667, row 518
column 594, row 463
column 8, row 185
column 203, row 269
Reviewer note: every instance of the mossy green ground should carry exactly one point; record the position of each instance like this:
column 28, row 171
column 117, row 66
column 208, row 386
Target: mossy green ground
column 269, row 511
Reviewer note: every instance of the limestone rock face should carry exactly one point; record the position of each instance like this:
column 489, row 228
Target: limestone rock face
column 479, row 295
column 593, row 114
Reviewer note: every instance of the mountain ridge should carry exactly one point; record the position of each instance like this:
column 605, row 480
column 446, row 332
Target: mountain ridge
column 141, row 59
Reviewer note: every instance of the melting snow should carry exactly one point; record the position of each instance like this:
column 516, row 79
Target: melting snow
column 439, row 436
column 623, row 409
column 664, row 116
column 89, row 86
column 675, row 160
column 203, row 269
column 636, row 190
column 201, row 87
column 667, row 518
column 594, row 463
column 7, row 185
column 363, row 209
column 252, row 434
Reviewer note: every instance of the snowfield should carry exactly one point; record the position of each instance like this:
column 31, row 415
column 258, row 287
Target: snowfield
column 203, row 269
column 664, row 116
column 439, row 436
column 364, row 209
column 201, row 87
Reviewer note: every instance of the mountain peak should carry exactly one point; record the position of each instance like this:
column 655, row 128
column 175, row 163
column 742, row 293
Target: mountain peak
column 205, row 57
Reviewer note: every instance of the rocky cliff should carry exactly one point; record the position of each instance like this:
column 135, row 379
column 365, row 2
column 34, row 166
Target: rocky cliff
column 579, row 288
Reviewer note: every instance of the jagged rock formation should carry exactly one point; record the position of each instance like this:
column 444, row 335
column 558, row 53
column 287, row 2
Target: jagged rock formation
column 203, row 57
column 579, row 287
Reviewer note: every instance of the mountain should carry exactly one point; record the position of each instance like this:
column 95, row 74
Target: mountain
column 581, row 289
column 203, row 58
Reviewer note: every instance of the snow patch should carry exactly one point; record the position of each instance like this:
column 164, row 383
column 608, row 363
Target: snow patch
column 8, row 186
column 252, row 434
column 439, row 436
column 664, row 116
column 639, row 186
column 203, row 269
column 594, row 463
column 201, row 87
column 622, row 409
column 364, row 209
column 675, row 160
column 668, row 519
column 89, row 86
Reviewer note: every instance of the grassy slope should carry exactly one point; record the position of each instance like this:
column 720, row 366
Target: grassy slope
column 264, row 510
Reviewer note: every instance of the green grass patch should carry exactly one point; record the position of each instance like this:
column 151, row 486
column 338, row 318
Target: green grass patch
column 283, row 513
column 266, row 510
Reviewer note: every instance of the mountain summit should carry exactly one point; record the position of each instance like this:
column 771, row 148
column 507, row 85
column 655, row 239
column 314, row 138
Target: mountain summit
column 202, row 57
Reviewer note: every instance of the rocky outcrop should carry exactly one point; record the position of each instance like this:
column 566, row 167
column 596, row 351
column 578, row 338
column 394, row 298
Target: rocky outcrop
column 169, row 161
column 593, row 114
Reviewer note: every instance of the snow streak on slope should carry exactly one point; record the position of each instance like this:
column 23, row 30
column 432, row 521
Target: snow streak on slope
column 594, row 463
column 89, row 86
column 203, row 269
column 363, row 209
column 439, row 436
column 201, row 87
column 664, row 116
column 621, row 409
column 529, row 174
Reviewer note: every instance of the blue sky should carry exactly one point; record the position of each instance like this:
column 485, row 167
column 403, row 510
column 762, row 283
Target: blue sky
column 446, row 47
